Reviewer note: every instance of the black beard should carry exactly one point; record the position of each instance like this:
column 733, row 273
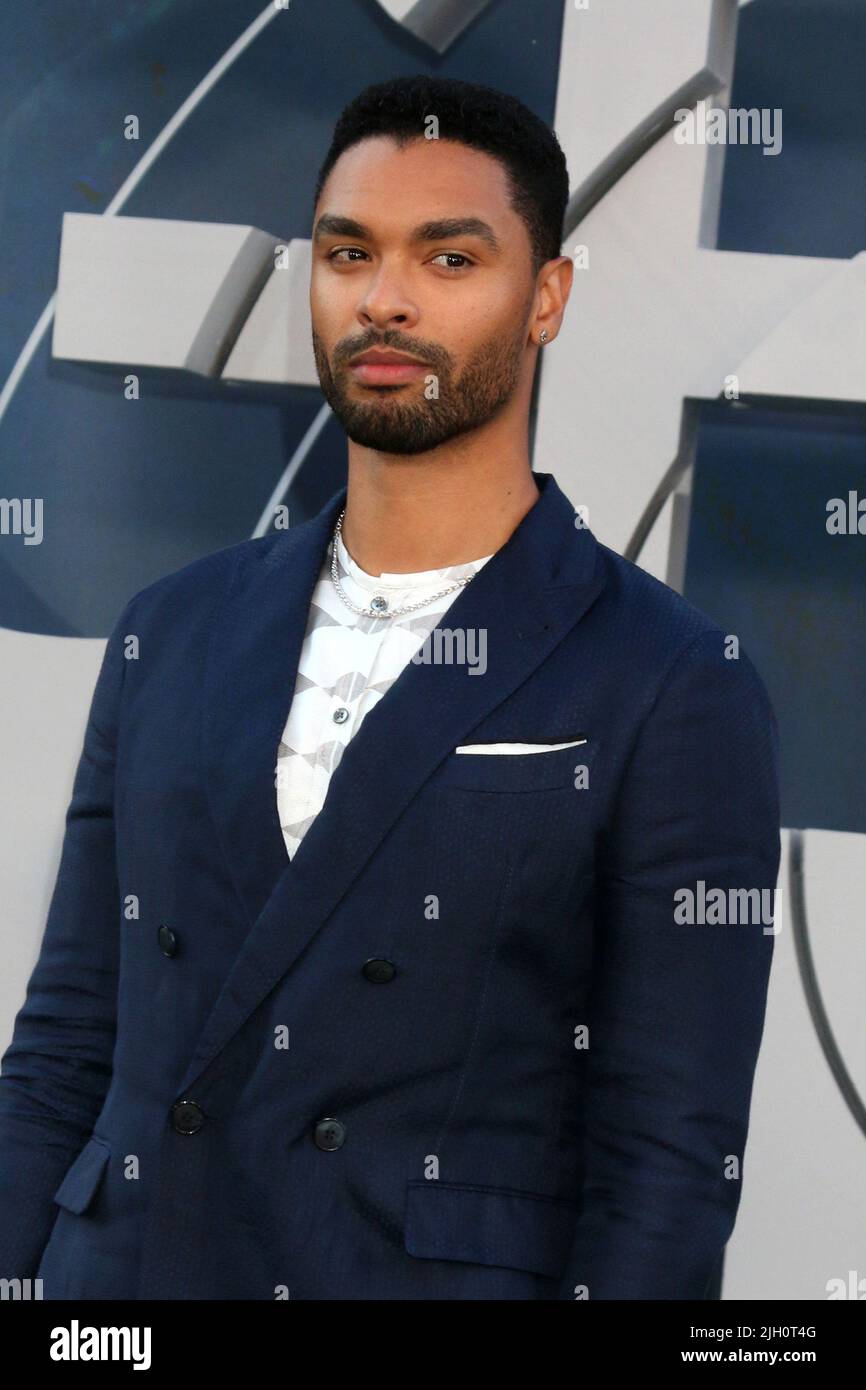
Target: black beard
column 415, row 425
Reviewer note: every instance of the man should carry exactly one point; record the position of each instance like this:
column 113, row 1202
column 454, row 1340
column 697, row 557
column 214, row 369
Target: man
column 373, row 969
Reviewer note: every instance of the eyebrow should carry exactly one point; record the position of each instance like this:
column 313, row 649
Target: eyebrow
column 331, row 224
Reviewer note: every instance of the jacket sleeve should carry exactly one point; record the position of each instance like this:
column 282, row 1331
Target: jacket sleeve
column 55, row 1073
column 677, row 1008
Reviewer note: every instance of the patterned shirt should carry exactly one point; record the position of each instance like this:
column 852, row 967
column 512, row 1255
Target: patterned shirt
column 347, row 663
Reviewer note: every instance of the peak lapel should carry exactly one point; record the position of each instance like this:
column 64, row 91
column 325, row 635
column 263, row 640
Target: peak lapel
column 526, row 598
column 249, row 683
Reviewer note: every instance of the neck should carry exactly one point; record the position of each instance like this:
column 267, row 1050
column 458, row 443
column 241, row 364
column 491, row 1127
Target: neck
column 404, row 514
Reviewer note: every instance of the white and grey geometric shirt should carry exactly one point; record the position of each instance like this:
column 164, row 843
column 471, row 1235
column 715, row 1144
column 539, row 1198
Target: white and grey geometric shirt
column 347, row 663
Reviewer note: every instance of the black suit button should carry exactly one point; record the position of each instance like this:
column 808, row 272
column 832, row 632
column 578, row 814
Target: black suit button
column 329, row 1135
column 167, row 941
column 187, row 1117
column 379, row 971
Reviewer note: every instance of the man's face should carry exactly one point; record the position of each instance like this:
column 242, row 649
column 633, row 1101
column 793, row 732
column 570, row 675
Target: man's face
column 384, row 275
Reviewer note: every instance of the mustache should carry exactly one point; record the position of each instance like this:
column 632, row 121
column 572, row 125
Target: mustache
column 429, row 353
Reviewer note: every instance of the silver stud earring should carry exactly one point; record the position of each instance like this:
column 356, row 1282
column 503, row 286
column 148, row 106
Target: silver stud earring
column 543, row 336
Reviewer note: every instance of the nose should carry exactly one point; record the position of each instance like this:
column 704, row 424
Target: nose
column 385, row 305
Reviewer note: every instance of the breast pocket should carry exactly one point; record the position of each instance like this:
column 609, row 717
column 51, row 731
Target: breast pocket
column 545, row 770
column 489, row 1226
column 539, row 812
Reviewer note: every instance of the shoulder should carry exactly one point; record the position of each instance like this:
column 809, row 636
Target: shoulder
column 641, row 600
column 201, row 583
column 665, row 644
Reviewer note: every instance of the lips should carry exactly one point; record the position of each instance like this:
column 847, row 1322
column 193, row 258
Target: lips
column 384, row 367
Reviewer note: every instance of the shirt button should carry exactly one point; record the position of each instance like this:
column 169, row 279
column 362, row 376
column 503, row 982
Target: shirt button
column 329, row 1135
column 340, row 715
column 187, row 1117
column 379, row 971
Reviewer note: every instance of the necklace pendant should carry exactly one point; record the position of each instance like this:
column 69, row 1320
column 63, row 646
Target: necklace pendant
column 379, row 604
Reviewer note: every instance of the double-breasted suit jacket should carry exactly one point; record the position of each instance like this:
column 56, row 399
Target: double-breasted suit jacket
column 462, row 1045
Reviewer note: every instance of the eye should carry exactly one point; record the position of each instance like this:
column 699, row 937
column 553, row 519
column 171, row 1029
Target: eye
column 454, row 256
column 355, row 251
column 340, row 250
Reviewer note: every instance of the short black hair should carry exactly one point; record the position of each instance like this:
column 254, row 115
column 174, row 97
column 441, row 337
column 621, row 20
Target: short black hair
column 481, row 117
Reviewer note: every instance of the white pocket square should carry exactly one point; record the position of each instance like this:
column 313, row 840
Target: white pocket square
column 516, row 747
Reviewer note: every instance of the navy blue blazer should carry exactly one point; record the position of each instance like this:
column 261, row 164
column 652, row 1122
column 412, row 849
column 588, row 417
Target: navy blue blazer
column 540, row 1089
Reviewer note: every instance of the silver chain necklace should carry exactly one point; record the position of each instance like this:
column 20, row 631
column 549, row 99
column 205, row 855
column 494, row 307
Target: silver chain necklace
column 379, row 607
